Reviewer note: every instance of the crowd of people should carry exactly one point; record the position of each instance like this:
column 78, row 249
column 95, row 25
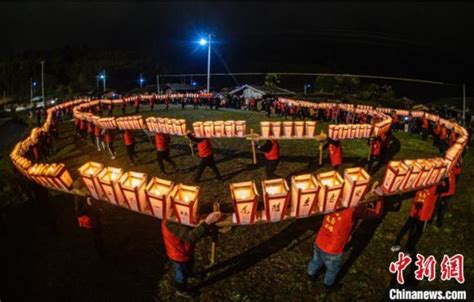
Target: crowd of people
column 179, row 240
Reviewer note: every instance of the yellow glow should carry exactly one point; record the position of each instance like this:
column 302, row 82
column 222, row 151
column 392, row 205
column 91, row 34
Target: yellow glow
column 302, row 185
column 273, row 189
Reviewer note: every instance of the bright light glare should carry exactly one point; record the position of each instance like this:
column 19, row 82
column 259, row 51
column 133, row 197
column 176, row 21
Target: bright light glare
column 101, row 76
column 202, row 41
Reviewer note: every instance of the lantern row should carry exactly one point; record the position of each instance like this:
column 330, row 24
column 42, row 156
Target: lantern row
column 287, row 129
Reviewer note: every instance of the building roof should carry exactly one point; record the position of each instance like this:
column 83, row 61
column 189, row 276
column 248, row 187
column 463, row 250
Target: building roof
column 266, row 90
column 181, row 87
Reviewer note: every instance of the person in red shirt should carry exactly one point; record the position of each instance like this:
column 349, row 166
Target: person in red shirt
column 206, row 155
column 436, row 132
column 422, row 210
column 334, row 234
column 334, row 152
column 195, row 103
column 443, row 136
column 445, row 197
column 152, row 103
column 375, row 151
column 167, row 103
column 83, row 129
column 110, row 107
column 180, row 241
column 129, row 141
column 90, row 130
column 109, row 141
column 452, row 137
column 88, row 218
column 136, row 104
column 98, row 138
column 425, row 125
column 123, row 107
column 162, row 141
column 271, row 149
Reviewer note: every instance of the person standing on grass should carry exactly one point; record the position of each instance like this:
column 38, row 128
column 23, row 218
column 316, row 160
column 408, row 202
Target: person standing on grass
column 180, row 241
column 334, row 152
column 110, row 108
column 129, row 141
column 375, row 151
column 90, row 130
column 136, row 104
column 335, row 232
column 98, row 138
column 152, row 102
column 443, row 136
column 162, row 141
column 109, row 141
column 123, row 107
column 422, row 210
column 271, row 149
column 206, row 155
column 436, row 133
column 88, row 218
column 445, row 197
column 425, row 125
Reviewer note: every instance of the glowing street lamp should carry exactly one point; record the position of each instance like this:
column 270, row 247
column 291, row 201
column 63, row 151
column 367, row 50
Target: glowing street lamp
column 207, row 42
column 141, row 80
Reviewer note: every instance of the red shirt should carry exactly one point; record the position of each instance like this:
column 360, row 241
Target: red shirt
column 452, row 185
column 82, row 125
column 162, row 141
column 90, row 127
column 376, row 147
column 424, row 203
column 108, row 136
column 452, row 138
column 424, row 123
column 176, row 249
column 137, row 102
column 437, row 129
column 335, row 154
column 443, row 134
column 128, row 137
column 97, row 131
column 204, row 148
column 274, row 152
column 337, row 227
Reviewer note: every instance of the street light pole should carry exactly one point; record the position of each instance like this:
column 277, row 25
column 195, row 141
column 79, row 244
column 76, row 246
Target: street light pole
column 464, row 103
column 31, row 89
column 158, row 83
column 42, row 84
column 103, row 73
column 209, row 63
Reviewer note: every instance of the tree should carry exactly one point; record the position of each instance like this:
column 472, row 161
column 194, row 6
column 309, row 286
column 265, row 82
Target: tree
column 271, row 79
column 325, row 84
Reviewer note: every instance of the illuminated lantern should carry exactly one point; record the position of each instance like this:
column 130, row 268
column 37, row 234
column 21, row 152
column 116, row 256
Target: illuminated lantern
column 169, row 126
column 89, row 172
column 424, row 174
column 240, row 128
column 229, row 127
column 265, row 128
column 299, row 128
column 59, row 175
column 310, row 128
column 219, row 128
column 180, row 126
column 198, row 129
column 109, row 184
column 443, row 169
column 132, row 185
column 35, row 171
column 276, row 129
column 158, row 192
column 454, row 151
column 356, row 182
column 288, row 128
column 245, row 200
column 394, row 176
column 304, row 192
column 330, row 189
column 209, row 129
column 414, row 171
column 346, row 131
column 276, row 195
column 355, row 131
column 437, row 172
column 185, row 204
column 333, row 131
column 161, row 125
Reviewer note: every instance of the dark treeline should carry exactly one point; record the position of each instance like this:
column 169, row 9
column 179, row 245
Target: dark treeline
column 71, row 71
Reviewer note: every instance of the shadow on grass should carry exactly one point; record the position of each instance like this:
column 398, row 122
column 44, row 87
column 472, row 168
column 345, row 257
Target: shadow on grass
column 260, row 252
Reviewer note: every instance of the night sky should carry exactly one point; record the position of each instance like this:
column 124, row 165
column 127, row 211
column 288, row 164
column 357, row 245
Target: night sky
column 427, row 40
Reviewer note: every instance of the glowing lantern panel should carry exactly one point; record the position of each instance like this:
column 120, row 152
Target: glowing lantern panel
column 330, row 184
column 304, row 192
column 132, row 185
column 276, row 195
column 185, row 204
column 394, row 176
column 89, row 172
column 244, row 199
column 109, row 183
column 158, row 193
column 356, row 182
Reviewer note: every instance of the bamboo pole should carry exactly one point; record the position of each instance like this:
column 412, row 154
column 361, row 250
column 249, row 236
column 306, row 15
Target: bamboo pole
column 254, row 153
column 190, row 143
column 216, row 208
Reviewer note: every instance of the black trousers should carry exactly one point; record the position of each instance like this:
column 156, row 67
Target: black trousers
column 131, row 152
column 415, row 228
column 372, row 159
column 424, row 134
column 206, row 162
column 270, row 167
column 164, row 155
column 441, row 207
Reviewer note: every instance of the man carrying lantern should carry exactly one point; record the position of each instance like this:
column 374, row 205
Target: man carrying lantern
column 333, row 236
column 98, row 138
column 444, row 198
column 443, row 136
column 422, row 210
column 271, row 149
column 162, row 141
column 334, row 152
column 206, row 155
column 180, row 241
column 129, row 141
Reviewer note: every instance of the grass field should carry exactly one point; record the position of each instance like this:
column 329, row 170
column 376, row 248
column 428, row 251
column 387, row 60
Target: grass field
column 51, row 258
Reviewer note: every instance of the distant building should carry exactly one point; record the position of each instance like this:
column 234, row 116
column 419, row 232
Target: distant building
column 258, row 92
column 180, row 88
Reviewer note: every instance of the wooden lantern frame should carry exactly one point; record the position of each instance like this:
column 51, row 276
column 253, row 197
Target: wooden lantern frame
column 303, row 199
column 414, row 172
column 333, row 192
column 240, row 202
column 265, row 128
column 59, row 175
column 191, row 205
column 132, row 186
column 424, row 174
column 276, row 129
column 110, row 185
column 89, row 173
column 229, row 128
column 271, row 199
column 299, row 128
column 356, row 184
column 160, row 203
column 240, row 128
